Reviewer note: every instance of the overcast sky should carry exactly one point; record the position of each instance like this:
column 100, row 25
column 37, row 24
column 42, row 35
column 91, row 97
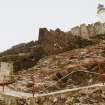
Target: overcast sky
column 20, row 20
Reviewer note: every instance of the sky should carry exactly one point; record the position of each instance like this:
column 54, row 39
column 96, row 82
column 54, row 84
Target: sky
column 20, row 20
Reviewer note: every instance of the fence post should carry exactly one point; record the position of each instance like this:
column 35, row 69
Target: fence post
column 33, row 87
column 3, row 82
column 101, row 76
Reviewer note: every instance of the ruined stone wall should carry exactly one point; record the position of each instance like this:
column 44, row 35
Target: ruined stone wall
column 90, row 30
column 57, row 41
column 6, row 70
column 84, row 31
column 54, row 42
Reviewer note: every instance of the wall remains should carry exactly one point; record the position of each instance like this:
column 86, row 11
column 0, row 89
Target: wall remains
column 91, row 30
column 84, row 33
column 76, row 31
column 98, row 28
column 54, row 42
column 88, row 31
column 57, row 41
column 6, row 70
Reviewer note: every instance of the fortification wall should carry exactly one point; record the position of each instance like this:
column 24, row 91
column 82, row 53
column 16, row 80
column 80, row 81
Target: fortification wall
column 56, row 41
column 90, row 30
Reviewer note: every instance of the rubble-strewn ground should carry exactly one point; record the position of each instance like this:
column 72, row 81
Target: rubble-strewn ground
column 49, row 70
